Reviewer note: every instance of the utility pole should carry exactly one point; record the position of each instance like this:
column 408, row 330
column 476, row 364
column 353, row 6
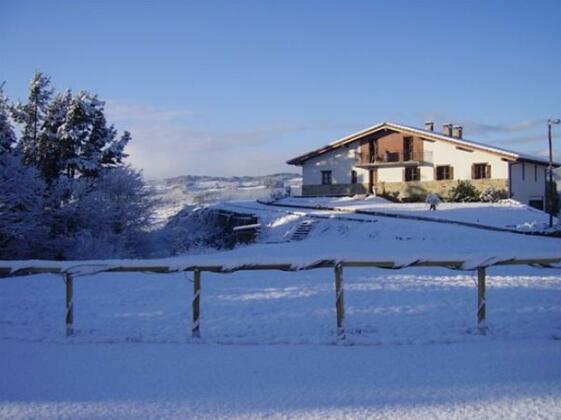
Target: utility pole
column 549, row 190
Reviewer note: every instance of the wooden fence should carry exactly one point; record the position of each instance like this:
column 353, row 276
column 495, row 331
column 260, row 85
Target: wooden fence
column 6, row 270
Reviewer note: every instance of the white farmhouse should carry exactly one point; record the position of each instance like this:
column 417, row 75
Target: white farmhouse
column 391, row 158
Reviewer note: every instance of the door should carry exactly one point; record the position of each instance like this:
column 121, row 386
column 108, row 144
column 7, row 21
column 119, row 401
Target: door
column 372, row 175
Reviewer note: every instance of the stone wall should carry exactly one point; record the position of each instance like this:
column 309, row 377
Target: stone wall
column 334, row 189
column 442, row 188
column 403, row 189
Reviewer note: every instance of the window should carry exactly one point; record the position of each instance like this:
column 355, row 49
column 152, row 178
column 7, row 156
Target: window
column 407, row 148
column 443, row 172
column 536, row 203
column 480, row 171
column 535, row 173
column 354, row 179
column 412, row 173
column 326, row 177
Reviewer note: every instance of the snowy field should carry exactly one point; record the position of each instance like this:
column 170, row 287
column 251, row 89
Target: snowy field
column 505, row 214
column 268, row 346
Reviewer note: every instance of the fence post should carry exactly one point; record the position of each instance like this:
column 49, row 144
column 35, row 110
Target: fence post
column 340, row 301
column 196, row 303
column 69, row 318
column 481, row 325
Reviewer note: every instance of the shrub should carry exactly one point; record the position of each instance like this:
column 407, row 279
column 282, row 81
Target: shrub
column 464, row 192
column 492, row 195
column 414, row 198
column 390, row 196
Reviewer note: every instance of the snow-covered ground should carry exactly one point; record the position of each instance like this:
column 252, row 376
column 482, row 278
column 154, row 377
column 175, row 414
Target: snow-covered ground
column 268, row 346
column 173, row 194
column 504, row 214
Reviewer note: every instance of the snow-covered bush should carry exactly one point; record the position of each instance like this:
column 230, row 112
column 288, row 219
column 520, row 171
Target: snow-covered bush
column 492, row 195
column 104, row 217
column 190, row 229
column 23, row 233
column 433, row 200
column 278, row 193
column 464, row 192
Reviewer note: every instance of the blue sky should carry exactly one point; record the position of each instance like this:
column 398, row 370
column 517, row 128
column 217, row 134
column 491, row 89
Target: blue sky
column 238, row 87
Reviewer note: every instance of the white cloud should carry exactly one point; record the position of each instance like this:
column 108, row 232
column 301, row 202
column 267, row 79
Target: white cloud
column 165, row 143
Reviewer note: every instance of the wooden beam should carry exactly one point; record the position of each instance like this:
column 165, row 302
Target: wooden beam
column 340, row 301
column 196, row 304
column 69, row 318
column 6, row 269
column 481, row 325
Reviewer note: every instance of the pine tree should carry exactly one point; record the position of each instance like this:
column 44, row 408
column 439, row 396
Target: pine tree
column 50, row 151
column 73, row 134
column 88, row 144
column 114, row 152
column 7, row 135
column 31, row 115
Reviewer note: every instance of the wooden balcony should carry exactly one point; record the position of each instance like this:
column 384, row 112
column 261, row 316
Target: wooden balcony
column 390, row 159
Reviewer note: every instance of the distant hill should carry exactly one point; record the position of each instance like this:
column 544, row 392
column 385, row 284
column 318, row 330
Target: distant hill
column 190, row 190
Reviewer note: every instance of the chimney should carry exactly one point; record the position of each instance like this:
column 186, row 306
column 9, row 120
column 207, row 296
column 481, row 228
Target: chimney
column 429, row 126
column 447, row 129
column 457, row 131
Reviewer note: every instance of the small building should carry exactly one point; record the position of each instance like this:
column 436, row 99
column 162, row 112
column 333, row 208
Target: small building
column 390, row 158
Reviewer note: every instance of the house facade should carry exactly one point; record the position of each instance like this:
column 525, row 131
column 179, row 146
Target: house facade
column 391, row 158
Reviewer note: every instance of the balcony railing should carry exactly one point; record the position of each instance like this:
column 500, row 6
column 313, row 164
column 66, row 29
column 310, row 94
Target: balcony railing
column 398, row 157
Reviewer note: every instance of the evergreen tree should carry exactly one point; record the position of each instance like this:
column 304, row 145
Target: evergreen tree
column 31, row 115
column 50, row 151
column 64, row 190
column 7, row 135
column 88, row 144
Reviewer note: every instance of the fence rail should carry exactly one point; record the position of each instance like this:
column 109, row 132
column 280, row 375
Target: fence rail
column 8, row 269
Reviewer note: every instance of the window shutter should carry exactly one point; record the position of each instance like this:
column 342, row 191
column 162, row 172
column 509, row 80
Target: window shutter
column 434, row 174
column 404, row 174
column 451, row 172
column 473, row 171
column 488, row 171
column 417, row 174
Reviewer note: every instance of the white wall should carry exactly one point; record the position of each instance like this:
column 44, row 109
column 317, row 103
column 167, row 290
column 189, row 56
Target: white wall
column 340, row 162
column 524, row 185
column 447, row 154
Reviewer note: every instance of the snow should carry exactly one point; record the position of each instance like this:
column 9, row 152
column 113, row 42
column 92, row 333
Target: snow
column 345, row 236
column 267, row 346
column 504, row 214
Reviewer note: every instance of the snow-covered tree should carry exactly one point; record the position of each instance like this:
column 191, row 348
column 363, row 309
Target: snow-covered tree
column 87, row 143
column 7, row 135
column 23, row 233
column 50, row 147
column 64, row 189
column 32, row 115
column 113, row 211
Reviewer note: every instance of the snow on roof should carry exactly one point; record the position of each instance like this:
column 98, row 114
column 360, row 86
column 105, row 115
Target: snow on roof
column 424, row 133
